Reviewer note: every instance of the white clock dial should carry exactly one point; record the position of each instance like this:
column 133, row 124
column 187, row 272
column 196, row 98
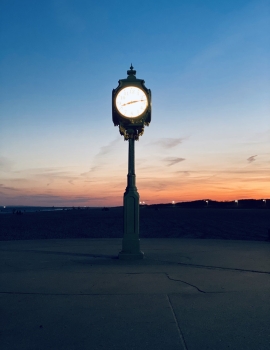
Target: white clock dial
column 131, row 102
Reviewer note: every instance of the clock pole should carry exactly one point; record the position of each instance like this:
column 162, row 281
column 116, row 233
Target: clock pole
column 131, row 242
column 131, row 111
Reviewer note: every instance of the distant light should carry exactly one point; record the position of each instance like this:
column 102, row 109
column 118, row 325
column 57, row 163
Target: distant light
column 4, row 207
column 207, row 202
column 236, row 201
column 264, row 200
column 143, row 202
column 173, row 202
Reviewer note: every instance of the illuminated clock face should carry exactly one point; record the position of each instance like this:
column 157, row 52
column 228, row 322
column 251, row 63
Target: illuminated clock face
column 131, row 102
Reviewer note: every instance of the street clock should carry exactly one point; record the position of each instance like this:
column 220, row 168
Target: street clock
column 131, row 111
column 131, row 106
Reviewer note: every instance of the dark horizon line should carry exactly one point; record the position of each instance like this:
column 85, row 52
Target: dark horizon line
column 115, row 206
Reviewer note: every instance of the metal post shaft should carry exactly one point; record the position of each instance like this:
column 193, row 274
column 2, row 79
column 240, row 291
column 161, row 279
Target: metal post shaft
column 131, row 177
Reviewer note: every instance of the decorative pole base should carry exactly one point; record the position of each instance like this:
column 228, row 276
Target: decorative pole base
column 131, row 242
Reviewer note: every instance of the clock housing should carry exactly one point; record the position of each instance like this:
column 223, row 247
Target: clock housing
column 131, row 104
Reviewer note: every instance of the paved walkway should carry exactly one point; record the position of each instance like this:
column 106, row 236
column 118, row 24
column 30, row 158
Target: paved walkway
column 186, row 294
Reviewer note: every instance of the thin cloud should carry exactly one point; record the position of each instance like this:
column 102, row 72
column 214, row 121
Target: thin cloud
column 169, row 142
column 108, row 148
column 157, row 186
column 99, row 157
column 56, row 174
column 173, row 160
column 58, row 199
column 184, row 173
column 37, row 171
column 251, row 159
column 8, row 188
column 93, row 169
column 50, row 174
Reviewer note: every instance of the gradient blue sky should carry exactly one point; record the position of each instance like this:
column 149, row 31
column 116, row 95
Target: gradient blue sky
column 207, row 64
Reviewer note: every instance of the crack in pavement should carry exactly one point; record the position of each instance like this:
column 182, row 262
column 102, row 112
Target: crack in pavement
column 189, row 284
column 49, row 252
column 128, row 273
column 211, row 267
column 181, row 335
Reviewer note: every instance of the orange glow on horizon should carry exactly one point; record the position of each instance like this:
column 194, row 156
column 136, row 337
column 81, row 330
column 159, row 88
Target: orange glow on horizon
column 98, row 197
column 99, row 189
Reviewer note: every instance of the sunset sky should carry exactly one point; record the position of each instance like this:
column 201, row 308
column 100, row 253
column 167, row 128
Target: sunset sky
column 207, row 64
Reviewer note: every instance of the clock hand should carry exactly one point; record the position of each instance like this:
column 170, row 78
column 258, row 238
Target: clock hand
column 128, row 103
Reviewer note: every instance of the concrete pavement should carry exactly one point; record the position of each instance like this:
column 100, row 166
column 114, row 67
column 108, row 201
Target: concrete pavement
column 186, row 294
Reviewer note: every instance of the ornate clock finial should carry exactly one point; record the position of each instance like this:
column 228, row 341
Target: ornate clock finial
column 131, row 71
